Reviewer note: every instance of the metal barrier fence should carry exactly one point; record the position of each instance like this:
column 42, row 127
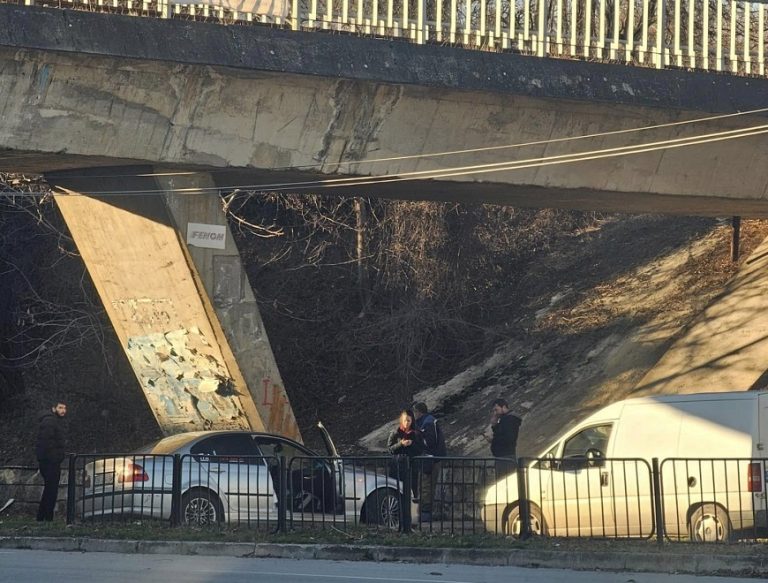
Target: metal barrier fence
column 707, row 500
column 714, row 499
column 23, row 485
column 699, row 500
column 276, row 493
column 107, row 487
column 451, row 492
column 717, row 35
column 586, row 496
column 344, row 492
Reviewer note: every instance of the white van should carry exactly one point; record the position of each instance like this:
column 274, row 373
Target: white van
column 596, row 480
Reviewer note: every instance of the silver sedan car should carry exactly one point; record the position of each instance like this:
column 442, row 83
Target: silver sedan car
column 235, row 476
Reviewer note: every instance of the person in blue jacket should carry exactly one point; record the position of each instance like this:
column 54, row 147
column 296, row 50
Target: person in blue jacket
column 434, row 445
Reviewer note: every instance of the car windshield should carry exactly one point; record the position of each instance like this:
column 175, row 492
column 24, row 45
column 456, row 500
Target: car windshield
column 166, row 445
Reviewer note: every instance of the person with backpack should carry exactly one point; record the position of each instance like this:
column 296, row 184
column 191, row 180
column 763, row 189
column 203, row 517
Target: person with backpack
column 434, row 446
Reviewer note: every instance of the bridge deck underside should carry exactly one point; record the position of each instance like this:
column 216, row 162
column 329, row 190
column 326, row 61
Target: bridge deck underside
column 296, row 107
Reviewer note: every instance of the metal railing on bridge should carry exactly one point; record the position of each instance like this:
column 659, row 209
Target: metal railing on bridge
column 711, row 35
column 706, row 500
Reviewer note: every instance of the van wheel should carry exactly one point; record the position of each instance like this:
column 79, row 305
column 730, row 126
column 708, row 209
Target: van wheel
column 710, row 523
column 382, row 507
column 513, row 523
column 200, row 507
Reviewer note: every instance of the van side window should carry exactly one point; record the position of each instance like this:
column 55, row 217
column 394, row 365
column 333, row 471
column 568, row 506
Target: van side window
column 595, row 437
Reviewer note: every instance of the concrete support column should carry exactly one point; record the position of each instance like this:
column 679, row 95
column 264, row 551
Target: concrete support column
column 226, row 286
column 184, row 314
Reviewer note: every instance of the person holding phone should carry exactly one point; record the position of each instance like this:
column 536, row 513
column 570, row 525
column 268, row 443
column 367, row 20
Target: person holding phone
column 405, row 442
column 505, row 427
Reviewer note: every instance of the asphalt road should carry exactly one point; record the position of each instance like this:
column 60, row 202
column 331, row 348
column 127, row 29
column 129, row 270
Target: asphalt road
column 20, row 566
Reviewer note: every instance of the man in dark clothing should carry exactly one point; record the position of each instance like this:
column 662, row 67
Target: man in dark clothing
column 505, row 427
column 50, row 453
column 434, row 445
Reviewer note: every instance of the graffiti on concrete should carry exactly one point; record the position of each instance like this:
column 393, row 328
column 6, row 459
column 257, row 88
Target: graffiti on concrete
column 186, row 384
column 280, row 418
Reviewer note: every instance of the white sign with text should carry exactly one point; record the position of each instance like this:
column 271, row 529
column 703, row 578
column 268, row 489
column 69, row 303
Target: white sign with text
column 211, row 236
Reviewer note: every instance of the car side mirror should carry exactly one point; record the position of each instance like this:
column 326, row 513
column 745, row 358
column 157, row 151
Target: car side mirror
column 548, row 462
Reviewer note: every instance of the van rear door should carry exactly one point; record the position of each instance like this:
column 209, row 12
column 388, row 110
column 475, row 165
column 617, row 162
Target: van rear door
column 760, row 485
column 761, row 446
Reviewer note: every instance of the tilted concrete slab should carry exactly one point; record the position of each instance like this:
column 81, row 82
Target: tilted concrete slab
column 202, row 363
column 85, row 89
column 724, row 348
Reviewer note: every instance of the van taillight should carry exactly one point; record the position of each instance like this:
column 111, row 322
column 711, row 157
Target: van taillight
column 755, row 477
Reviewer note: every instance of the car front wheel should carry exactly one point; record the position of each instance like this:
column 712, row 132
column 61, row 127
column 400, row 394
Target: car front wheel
column 382, row 507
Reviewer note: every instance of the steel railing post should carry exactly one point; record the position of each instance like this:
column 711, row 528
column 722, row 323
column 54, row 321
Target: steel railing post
column 405, row 498
column 541, row 41
column 522, row 496
column 71, row 485
column 282, row 494
column 660, row 34
column 421, row 22
column 176, row 491
column 296, row 20
column 657, row 504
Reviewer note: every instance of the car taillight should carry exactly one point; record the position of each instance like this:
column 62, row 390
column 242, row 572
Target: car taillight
column 754, row 477
column 132, row 473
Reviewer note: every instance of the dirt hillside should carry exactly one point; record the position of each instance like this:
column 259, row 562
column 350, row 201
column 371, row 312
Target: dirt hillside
column 603, row 307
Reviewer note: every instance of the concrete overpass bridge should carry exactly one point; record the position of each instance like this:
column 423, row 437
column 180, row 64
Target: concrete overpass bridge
column 139, row 118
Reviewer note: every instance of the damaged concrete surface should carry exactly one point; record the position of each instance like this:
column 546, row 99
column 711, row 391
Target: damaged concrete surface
column 184, row 382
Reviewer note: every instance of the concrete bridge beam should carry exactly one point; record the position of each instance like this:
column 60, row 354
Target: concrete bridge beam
column 86, row 89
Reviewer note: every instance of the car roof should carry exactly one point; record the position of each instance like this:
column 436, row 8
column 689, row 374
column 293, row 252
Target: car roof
column 170, row 444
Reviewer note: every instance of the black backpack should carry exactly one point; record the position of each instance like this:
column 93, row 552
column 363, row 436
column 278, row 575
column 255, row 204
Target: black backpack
column 434, row 439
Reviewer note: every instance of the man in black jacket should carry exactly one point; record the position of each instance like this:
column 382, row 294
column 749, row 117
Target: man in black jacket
column 505, row 426
column 434, row 445
column 50, row 453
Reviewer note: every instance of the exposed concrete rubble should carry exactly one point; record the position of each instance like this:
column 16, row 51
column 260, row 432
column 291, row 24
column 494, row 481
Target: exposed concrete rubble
column 184, row 382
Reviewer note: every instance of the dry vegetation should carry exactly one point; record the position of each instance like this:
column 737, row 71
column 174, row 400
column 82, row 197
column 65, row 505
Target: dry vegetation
column 365, row 302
